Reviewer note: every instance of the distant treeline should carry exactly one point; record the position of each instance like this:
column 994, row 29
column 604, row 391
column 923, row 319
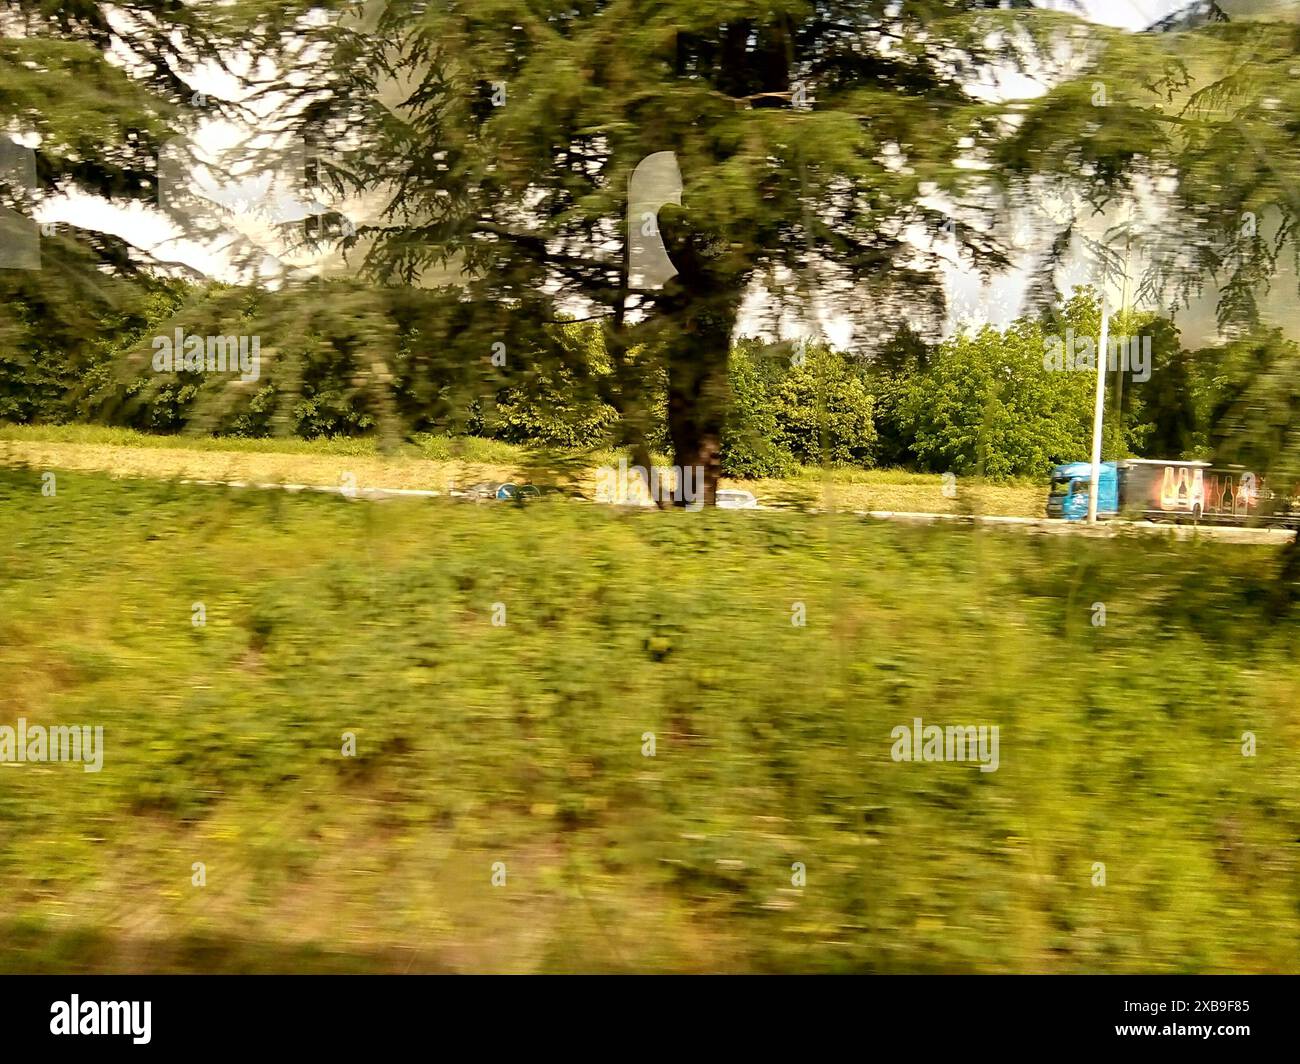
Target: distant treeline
column 342, row 358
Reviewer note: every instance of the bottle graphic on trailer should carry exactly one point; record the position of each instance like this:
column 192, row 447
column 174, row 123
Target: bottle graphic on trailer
column 1182, row 489
column 1244, row 492
column 1168, row 494
column 1227, row 495
column 1198, row 490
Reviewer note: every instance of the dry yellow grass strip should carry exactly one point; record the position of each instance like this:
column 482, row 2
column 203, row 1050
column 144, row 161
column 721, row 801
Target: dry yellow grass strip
column 327, row 465
column 316, row 470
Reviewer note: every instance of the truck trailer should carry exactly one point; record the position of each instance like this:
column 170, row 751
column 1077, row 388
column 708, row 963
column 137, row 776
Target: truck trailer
column 1162, row 490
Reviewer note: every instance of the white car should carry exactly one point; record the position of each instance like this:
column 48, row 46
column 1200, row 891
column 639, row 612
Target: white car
column 734, row 499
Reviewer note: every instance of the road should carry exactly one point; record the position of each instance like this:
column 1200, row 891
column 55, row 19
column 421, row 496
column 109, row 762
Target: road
column 1108, row 528
column 1049, row 526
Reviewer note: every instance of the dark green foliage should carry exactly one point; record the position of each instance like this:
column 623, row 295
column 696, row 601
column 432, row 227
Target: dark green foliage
column 751, row 436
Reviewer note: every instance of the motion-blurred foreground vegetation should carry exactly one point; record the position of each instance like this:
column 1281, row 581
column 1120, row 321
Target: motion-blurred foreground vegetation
column 523, row 743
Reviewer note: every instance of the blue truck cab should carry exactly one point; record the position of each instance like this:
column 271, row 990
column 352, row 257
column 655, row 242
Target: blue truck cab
column 1068, row 498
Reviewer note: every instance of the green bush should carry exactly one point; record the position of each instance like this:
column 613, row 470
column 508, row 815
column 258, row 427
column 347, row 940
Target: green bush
column 793, row 406
column 988, row 404
column 750, row 435
column 823, row 410
column 558, row 407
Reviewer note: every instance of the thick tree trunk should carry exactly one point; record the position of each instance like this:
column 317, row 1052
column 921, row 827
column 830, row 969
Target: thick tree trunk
column 698, row 396
column 700, row 306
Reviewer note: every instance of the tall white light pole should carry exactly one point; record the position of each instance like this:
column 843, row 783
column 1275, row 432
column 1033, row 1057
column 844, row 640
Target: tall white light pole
column 1094, row 483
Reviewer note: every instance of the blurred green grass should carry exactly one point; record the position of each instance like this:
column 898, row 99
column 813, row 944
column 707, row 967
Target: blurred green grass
column 522, row 744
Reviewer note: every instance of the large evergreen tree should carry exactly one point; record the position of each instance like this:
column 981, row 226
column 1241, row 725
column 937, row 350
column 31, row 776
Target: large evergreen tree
column 89, row 93
column 829, row 152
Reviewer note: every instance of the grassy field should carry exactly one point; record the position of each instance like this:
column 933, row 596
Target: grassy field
column 435, row 463
column 520, row 746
